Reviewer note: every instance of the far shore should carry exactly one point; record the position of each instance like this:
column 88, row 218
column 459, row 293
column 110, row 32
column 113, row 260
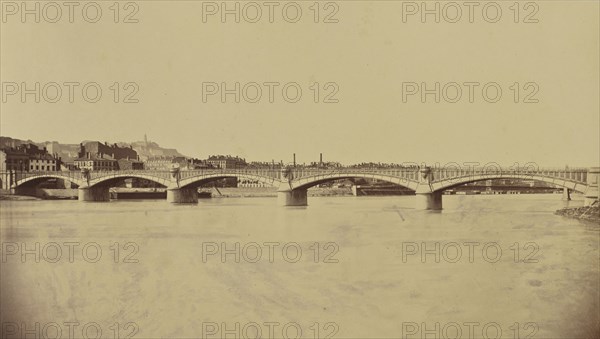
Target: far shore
column 227, row 192
column 215, row 193
column 18, row 197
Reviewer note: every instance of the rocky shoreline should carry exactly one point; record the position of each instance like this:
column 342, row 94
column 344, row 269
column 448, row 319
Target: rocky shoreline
column 589, row 213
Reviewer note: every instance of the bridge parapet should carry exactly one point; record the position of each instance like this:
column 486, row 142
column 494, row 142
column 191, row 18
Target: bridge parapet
column 404, row 173
column 574, row 175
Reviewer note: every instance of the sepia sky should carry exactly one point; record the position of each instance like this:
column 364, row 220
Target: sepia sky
column 170, row 52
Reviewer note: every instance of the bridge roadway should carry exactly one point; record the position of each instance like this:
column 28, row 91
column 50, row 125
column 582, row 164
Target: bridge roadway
column 292, row 183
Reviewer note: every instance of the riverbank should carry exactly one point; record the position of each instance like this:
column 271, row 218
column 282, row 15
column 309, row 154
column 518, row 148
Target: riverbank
column 229, row 192
column 160, row 193
column 17, row 197
column 253, row 192
column 589, row 213
column 42, row 194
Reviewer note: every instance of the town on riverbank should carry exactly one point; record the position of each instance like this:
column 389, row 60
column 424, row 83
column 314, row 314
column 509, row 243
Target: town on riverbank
column 144, row 170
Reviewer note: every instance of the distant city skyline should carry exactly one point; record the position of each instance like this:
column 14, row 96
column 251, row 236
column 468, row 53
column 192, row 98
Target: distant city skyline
column 301, row 158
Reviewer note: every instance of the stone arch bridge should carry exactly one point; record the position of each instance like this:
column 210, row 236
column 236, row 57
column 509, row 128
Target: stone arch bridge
column 292, row 183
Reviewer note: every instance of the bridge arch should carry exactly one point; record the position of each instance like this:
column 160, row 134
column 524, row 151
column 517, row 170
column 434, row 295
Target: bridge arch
column 200, row 179
column 111, row 179
column 34, row 179
column 313, row 180
column 445, row 184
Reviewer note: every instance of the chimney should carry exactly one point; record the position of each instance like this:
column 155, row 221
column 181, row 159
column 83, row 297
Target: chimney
column 88, row 155
column 294, row 159
column 321, row 159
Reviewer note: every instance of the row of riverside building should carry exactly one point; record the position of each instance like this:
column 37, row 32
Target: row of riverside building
column 94, row 156
column 98, row 156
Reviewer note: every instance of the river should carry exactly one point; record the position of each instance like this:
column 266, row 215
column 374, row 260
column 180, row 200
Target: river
column 499, row 266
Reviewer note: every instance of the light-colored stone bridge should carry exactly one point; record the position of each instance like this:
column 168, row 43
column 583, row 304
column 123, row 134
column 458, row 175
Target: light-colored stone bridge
column 292, row 183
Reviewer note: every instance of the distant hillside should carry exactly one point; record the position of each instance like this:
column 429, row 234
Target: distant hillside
column 69, row 152
column 151, row 149
column 10, row 142
column 66, row 151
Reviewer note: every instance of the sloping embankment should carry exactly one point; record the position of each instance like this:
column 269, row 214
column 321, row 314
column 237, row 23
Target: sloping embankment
column 589, row 213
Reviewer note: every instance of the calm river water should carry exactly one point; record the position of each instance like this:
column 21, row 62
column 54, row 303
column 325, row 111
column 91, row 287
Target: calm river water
column 343, row 267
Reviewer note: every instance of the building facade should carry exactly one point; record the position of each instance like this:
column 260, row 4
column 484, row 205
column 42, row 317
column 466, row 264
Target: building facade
column 165, row 163
column 128, row 164
column 226, row 161
column 251, row 183
column 44, row 162
column 14, row 161
column 100, row 149
column 28, row 157
column 159, row 163
column 97, row 163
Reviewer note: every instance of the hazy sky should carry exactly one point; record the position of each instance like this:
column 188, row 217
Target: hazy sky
column 369, row 54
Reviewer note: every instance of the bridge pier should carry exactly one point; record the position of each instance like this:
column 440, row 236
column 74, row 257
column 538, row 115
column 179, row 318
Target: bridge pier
column 592, row 194
column 297, row 197
column 429, row 201
column 566, row 196
column 426, row 198
column 182, row 195
column 94, row 193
